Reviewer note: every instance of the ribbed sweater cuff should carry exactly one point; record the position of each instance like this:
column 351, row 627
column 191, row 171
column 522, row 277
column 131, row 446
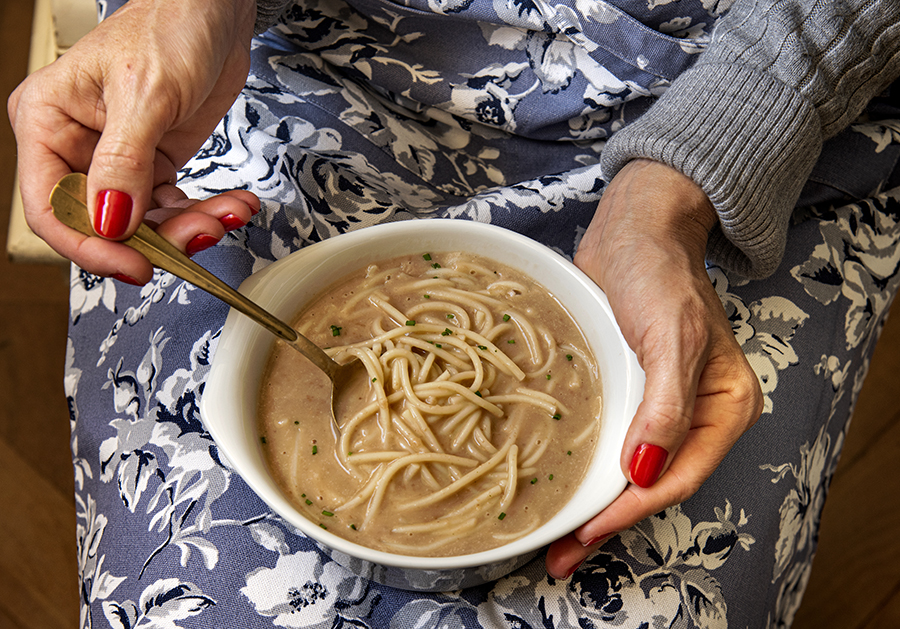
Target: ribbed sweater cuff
column 267, row 13
column 747, row 139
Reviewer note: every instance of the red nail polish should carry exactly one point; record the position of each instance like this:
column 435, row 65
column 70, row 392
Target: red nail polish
column 230, row 222
column 200, row 243
column 126, row 279
column 113, row 213
column 647, row 464
column 598, row 539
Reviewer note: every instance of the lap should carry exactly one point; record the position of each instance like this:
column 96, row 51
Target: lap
column 167, row 530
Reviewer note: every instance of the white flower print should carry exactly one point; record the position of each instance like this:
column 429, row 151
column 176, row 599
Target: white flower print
column 97, row 584
column 671, row 584
column 801, row 513
column 349, row 119
column 428, row 613
column 597, row 11
column 652, row 4
column 81, row 464
column 717, row 7
column 830, row 368
column 764, row 330
column 161, row 605
column 486, row 96
column 883, row 133
column 303, row 591
column 162, row 456
column 802, row 507
column 87, row 291
column 790, row 596
column 547, row 195
column 153, row 292
column 858, row 260
column 684, row 29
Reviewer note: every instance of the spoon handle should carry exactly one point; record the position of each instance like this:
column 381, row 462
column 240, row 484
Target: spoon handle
column 68, row 202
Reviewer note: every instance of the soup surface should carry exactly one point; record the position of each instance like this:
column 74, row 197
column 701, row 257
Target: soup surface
column 475, row 423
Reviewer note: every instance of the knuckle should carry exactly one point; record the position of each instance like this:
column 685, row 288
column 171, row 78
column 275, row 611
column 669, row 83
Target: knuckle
column 118, row 155
column 669, row 422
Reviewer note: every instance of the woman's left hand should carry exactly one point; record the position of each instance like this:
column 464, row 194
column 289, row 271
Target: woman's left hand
column 646, row 249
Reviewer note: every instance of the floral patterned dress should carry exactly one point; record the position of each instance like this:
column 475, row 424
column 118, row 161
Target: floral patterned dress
column 367, row 111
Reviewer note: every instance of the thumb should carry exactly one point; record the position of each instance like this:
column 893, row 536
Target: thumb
column 122, row 172
column 664, row 417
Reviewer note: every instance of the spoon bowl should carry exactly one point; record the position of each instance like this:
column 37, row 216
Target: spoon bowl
column 68, row 200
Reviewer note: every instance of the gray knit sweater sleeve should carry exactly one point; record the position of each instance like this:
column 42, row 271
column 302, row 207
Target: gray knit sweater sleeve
column 268, row 12
column 747, row 121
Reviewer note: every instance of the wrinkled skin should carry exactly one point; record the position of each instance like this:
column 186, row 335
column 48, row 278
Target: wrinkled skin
column 645, row 248
column 129, row 104
column 137, row 97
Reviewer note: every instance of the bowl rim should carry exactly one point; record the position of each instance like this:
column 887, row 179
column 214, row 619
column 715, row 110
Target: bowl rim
column 318, row 258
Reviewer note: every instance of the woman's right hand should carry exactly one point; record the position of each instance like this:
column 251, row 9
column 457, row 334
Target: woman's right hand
column 130, row 104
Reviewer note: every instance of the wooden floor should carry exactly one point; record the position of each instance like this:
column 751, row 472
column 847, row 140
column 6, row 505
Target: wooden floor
column 855, row 582
column 38, row 584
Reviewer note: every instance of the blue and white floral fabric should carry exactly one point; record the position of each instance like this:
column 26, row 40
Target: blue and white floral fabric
column 366, row 111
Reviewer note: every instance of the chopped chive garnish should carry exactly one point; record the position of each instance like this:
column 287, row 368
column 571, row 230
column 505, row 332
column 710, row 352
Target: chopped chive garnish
column 511, row 341
column 447, row 332
column 548, row 376
column 308, row 501
column 533, row 480
column 410, row 322
column 335, row 330
column 557, row 416
column 303, row 495
column 296, row 423
column 426, row 257
column 449, row 316
column 323, row 526
column 478, row 393
column 506, row 317
column 315, row 449
column 435, row 266
column 353, row 526
column 501, row 516
column 482, row 346
column 438, row 345
column 328, row 513
column 426, row 296
column 550, row 477
column 374, row 379
column 568, row 356
column 262, row 439
column 569, row 453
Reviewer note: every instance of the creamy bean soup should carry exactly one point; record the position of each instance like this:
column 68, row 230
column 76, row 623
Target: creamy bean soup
column 476, row 420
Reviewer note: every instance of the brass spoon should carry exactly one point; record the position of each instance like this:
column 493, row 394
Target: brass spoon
column 68, row 202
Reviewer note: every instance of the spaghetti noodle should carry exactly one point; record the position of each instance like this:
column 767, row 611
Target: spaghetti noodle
column 476, row 422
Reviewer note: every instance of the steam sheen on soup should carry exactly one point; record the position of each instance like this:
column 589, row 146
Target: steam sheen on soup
column 475, row 423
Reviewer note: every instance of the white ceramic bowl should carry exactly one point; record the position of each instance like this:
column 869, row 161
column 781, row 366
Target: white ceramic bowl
column 229, row 400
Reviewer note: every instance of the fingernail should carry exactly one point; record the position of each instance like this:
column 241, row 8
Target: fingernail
column 253, row 210
column 230, row 222
column 126, row 278
column 647, row 463
column 113, row 213
column 598, row 539
column 200, row 243
column 573, row 569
